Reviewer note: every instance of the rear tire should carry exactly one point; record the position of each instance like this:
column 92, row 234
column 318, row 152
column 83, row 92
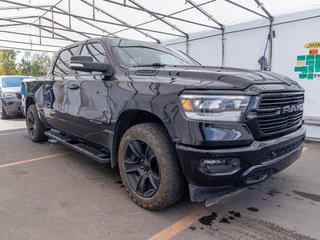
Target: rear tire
column 3, row 114
column 35, row 127
column 149, row 167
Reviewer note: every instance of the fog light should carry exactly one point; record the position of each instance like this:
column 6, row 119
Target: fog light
column 220, row 166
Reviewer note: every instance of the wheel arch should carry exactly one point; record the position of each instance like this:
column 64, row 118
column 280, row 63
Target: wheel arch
column 133, row 117
column 29, row 101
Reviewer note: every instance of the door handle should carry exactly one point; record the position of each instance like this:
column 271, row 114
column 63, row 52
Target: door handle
column 73, row 86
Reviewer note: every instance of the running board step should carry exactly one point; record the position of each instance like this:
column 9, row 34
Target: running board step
column 94, row 153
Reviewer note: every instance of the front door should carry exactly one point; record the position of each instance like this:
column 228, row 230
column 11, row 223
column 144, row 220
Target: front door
column 89, row 108
column 55, row 92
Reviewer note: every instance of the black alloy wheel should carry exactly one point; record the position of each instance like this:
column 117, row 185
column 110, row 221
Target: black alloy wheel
column 34, row 125
column 141, row 168
column 31, row 124
column 149, row 167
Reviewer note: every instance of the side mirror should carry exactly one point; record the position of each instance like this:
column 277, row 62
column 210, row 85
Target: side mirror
column 86, row 64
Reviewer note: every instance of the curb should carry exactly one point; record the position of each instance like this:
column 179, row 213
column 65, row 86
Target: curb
column 312, row 140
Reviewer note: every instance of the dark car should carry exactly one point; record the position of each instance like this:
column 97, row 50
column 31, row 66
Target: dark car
column 10, row 95
column 165, row 120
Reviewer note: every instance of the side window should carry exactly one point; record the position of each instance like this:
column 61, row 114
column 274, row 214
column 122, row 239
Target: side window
column 95, row 50
column 62, row 66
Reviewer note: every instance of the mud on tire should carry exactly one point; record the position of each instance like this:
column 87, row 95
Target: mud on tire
column 34, row 125
column 146, row 153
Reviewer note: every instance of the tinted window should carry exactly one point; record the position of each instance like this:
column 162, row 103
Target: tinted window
column 12, row 81
column 62, row 66
column 95, row 50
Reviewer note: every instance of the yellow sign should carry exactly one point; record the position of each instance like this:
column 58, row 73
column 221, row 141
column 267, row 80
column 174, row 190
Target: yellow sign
column 312, row 45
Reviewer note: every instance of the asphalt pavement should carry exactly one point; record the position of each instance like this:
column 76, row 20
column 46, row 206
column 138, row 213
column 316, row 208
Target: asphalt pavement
column 48, row 191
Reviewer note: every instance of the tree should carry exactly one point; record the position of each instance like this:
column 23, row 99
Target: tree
column 24, row 65
column 40, row 64
column 34, row 64
column 8, row 62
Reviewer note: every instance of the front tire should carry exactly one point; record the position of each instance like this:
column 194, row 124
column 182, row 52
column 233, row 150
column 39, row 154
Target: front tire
column 35, row 127
column 149, row 168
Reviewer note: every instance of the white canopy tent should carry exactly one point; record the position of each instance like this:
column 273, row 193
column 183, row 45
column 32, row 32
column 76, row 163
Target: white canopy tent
column 232, row 33
column 49, row 24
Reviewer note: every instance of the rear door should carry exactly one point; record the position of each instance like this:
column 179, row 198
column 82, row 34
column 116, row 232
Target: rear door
column 56, row 101
column 89, row 115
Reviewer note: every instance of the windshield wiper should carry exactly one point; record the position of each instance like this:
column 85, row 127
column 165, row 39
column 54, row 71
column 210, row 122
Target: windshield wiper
column 151, row 65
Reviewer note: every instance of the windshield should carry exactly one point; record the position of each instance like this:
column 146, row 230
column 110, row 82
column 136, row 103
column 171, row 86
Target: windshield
column 134, row 53
column 12, row 81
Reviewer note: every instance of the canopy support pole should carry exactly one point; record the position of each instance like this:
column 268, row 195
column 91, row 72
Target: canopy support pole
column 270, row 44
column 69, row 11
column 120, row 24
column 32, row 35
column 271, row 34
column 222, row 47
column 66, row 28
column 40, row 38
column 164, row 21
column 187, row 45
column 24, row 7
column 167, row 16
column 161, row 14
column 210, row 17
column 28, row 49
column 119, row 20
column 84, row 21
column 93, row 9
column 38, row 26
column 29, row 43
column 52, row 17
column 247, row 9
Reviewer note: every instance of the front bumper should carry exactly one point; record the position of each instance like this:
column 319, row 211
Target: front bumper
column 12, row 107
column 257, row 162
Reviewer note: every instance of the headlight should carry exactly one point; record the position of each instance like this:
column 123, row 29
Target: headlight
column 214, row 108
column 10, row 95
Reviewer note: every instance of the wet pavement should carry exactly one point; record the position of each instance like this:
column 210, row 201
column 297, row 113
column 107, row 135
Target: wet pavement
column 48, row 191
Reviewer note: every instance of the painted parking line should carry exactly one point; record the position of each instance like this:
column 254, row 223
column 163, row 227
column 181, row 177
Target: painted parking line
column 183, row 223
column 179, row 226
column 32, row 160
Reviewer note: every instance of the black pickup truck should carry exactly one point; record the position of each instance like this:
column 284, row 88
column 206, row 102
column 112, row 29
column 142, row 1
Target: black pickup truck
column 165, row 120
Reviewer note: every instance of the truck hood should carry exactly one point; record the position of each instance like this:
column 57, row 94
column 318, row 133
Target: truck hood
column 11, row 89
column 207, row 77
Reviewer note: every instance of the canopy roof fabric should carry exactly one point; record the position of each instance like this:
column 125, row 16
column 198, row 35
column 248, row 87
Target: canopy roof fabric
column 48, row 25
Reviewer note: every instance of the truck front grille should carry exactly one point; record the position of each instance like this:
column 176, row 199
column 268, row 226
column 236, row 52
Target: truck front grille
column 277, row 114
